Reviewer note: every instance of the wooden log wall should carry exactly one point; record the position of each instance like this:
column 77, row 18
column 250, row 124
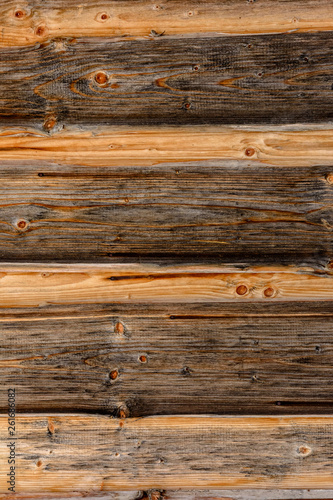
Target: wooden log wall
column 166, row 258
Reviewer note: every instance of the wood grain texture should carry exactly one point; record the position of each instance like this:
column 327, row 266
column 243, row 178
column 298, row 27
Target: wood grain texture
column 169, row 81
column 293, row 146
column 247, row 358
column 21, row 22
column 230, row 208
column 37, row 285
column 169, row 452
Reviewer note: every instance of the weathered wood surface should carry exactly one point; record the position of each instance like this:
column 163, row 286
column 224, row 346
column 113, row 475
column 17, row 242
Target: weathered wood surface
column 269, row 79
column 29, row 23
column 55, row 452
column 288, row 146
column 37, row 285
column 229, row 208
column 138, row 360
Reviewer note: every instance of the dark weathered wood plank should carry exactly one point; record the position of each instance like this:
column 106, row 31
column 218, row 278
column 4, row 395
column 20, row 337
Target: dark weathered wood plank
column 55, row 452
column 21, row 23
column 136, row 360
column 59, row 213
column 269, row 79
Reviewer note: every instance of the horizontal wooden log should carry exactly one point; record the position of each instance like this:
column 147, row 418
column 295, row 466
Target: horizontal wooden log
column 138, row 360
column 169, row 81
column 294, row 146
column 152, row 494
column 54, row 453
column 193, row 208
column 27, row 24
column 37, row 285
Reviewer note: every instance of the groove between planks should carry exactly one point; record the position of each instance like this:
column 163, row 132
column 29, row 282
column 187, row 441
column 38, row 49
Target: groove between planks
column 168, row 452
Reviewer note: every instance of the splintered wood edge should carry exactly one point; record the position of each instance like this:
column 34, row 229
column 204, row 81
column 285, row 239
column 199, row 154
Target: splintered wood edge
column 36, row 286
column 292, row 449
column 281, row 146
column 25, row 23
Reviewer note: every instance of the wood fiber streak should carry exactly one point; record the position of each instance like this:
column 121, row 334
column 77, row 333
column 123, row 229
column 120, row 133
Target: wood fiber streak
column 217, row 358
column 272, row 79
column 60, row 213
column 123, row 18
column 170, row 452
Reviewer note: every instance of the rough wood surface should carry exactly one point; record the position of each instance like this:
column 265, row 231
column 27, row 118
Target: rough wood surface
column 22, row 22
column 239, row 209
column 37, row 285
column 288, row 146
column 55, row 452
column 169, row 81
column 138, row 360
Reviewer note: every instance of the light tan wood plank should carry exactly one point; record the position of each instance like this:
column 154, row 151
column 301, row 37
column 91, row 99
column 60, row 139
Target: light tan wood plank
column 54, row 452
column 153, row 146
column 31, row 22
column 34, row 285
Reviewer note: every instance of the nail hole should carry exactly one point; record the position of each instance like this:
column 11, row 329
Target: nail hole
column 241, row 290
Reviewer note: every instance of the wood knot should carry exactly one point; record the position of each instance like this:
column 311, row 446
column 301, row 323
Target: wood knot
column 143, row 358
column 113, row 374
column 119, row 328
column 101, row 78
column 49, row 123
column 186, row 371
column 40, row 31
column 304, row 451
column 123, row 412
column 242, row 290
column 249, row 151
column 39, row 463
column 102, row 17
column 187, row 105
column 22, row 224
column 19, row 14
column 329, row 178
column 269, row 292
